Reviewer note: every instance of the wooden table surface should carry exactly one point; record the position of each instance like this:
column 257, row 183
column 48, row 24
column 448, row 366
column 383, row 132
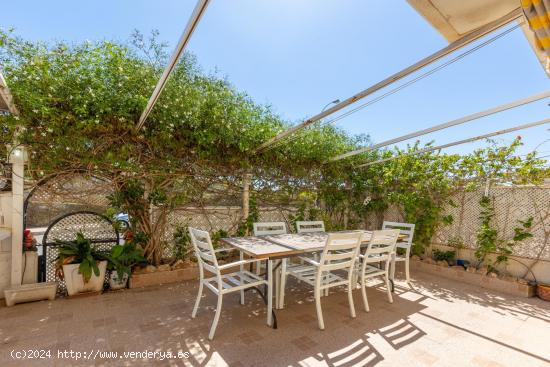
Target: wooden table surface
column 258, row 247
column 282, row 245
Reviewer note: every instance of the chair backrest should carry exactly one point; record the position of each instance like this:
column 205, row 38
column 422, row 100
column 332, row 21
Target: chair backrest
column 267, row 228
column 406, row 229
column 340, row 251
column 382, row 244
column 204, row 251
column 310, row 226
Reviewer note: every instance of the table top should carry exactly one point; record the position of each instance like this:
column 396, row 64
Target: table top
column 282, row 245
column 258, row 247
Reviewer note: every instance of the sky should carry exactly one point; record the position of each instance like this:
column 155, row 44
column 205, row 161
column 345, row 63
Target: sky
column 299, row 55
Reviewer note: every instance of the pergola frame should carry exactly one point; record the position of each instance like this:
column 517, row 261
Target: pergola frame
column 446, row 125
column 471, row 37
column 459, row 142
column 6, row 100
column 452, row 47
column 192, row 23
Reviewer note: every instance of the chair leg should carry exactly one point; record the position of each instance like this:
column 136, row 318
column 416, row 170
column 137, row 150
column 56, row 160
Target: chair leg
column 216, row 317
column 269, row 292
column 318, row 307
column 364, row 292
column 350, row 299
column 283, row 284
column 407, row 272
column 198, row 301
column 388, row 288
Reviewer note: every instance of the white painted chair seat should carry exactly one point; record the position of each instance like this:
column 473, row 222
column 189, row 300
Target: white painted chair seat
column 406, row 229
column 373, row 258
column 339, row 254
column 221, row 284
column 234, row 282
column 380, row 250
column 307, row 273
column 372, row 271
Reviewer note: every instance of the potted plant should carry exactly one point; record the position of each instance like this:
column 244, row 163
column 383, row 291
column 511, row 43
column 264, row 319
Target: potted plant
column 30, row 259
column 81, row 265
column 447, row 256
column 457, row 243
column 121, row 259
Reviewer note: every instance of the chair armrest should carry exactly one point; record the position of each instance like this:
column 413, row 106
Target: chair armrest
column 238, row 263
column 310, row 261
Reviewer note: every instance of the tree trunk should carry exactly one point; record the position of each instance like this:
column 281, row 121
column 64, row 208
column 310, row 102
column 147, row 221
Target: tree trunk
column 247, row 178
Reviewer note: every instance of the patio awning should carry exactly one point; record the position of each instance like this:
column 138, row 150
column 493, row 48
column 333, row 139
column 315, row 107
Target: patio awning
column 453, row 19
column 537, row 13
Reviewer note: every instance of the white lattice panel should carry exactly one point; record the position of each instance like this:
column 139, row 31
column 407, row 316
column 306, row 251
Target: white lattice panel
column 511, row 204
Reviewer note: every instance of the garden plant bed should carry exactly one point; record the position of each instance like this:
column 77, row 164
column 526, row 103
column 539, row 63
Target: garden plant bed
column 508, row 286
column 164, row 276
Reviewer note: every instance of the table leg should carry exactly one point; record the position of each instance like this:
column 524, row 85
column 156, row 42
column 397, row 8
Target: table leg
column 277, row 285
column 392, row 272
column 269, row 292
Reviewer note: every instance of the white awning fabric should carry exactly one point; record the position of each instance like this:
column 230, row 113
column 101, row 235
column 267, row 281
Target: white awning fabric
column 453, row 19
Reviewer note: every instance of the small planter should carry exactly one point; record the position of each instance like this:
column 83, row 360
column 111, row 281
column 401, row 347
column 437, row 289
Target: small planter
column 116, row 282
column 30, row 264
column 543, row 291
column 30, row 292
column 75, row 281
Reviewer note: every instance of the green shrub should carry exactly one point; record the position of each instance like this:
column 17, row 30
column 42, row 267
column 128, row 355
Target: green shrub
column 448, row 256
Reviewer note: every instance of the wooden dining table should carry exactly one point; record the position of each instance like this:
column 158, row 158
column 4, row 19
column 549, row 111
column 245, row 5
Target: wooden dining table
column 274, row 248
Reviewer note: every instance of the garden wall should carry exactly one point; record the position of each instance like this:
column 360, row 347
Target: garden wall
column 512, row 203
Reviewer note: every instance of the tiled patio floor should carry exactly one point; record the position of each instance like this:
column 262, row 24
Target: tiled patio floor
column 439, row 323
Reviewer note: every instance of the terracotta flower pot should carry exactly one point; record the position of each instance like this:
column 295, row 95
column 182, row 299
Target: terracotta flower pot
column 543, row 291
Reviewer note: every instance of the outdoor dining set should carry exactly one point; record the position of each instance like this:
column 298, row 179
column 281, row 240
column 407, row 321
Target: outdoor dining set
column 321, row 259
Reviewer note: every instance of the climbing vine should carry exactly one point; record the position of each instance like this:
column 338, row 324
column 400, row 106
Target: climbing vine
column 79, row 105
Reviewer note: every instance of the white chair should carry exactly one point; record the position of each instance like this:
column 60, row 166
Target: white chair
column 267, row 228
column 406, row 229
column 220, row 283
column 340, row 253
column 310, row 226
column 379, row 251
column 301, row 227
